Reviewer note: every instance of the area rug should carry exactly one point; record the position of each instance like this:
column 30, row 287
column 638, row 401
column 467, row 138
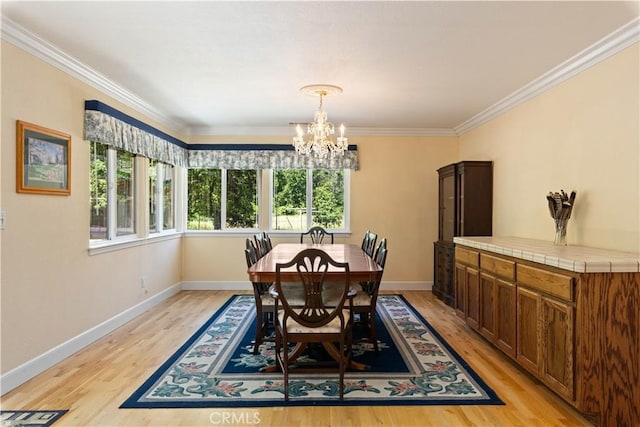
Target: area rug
column 29, row 418
column 216, row 367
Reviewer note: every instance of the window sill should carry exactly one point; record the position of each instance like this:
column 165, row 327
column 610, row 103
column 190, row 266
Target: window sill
column 221, row 233
column 250, row 233
column 111, row 246
column 116, row 245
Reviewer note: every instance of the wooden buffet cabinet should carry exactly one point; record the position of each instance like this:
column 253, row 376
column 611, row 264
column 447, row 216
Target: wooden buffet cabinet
column 569, row 315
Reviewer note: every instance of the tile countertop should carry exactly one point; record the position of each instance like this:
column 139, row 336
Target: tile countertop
column 581, row 259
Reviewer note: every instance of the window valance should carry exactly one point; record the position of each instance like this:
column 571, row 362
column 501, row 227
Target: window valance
column 264, row 156
column 107, row 125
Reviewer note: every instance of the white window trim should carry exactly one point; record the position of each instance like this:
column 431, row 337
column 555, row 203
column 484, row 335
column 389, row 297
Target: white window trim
column 158, row 199
column 347, row 203
column 105, row 247
column 161, row 168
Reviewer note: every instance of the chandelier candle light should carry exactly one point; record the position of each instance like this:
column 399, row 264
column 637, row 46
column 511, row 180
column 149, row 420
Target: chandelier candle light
column 560, row 206
column 320, row 141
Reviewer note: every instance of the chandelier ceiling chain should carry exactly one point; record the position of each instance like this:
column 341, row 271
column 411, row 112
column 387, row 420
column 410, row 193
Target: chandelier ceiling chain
column 319, row 133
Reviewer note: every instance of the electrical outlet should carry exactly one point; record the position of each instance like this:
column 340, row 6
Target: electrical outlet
column 143, row 282
column 3, row 220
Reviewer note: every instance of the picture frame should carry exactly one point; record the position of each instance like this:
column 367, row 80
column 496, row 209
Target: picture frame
column 43, row 160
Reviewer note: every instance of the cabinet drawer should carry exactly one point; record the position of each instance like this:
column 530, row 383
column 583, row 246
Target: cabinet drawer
column 465, row 256
column 546, row 281
column 498, row 266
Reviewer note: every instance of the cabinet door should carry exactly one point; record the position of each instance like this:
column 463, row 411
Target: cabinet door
column 437, row 270
column 461, row 291
column 558, row 346
column 475, row 195
column 447, row 285
column 506, row 317
column 443, row 284
column 460, row 206
column 473, row 297
column 487, row 301
column 528, row 329
column 447, row 207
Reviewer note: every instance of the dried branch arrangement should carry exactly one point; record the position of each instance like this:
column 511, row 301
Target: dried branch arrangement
column 560, row 205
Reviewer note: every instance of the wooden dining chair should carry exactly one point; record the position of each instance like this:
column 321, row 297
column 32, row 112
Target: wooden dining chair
column 265, row 305
column 317, row 235
column 262, row 246
column 369, row 242
column 267, row 241
column 364, row 303
column 316, row 320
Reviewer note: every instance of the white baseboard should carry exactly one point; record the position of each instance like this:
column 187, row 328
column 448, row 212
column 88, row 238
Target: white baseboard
column 241, row 285
column 30, row 369
column 39, row 364
column 246, row 286
column 405, row 286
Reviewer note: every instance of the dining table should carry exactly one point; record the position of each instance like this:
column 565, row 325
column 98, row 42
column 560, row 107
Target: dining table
column 362, row 268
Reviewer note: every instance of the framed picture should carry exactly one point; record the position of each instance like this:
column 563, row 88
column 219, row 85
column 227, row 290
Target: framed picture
column 43, row 160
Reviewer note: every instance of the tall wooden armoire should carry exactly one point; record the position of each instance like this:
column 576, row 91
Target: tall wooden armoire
column 465, row 205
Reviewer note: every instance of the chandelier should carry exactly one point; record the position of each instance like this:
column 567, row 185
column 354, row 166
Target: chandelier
column 320, row 132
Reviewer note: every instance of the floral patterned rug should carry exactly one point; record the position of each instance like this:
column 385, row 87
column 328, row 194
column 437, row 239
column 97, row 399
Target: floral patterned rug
column 29, row 418
column 216, row 367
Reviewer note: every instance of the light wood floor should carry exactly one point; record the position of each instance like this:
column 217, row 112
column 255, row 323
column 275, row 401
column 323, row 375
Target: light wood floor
column 94, row 382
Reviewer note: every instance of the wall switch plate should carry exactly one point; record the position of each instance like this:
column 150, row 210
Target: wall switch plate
column 3, row 220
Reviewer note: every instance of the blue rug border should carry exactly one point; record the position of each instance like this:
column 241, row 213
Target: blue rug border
column 132, row 401
column 490, row 392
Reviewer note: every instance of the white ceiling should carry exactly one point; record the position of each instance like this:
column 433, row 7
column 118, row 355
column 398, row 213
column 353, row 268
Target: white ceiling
column 218, row 67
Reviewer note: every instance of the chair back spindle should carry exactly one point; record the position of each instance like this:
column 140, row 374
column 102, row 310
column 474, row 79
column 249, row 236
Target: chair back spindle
column 317, row 235
column 369, row 242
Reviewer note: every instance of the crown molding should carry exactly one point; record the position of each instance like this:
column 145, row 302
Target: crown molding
column 42, row 49
column 611, row 44
column 241, row 130
column 290, row 130
column 401, row 131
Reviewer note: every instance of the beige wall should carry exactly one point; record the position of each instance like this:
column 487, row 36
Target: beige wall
column 394, row 193
column 583, row 135
column 52, row 290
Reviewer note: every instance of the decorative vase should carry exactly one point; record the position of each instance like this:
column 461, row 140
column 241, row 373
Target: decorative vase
column 561, row 232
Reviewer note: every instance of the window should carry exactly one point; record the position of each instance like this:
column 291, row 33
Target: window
column 125, row 193
column 161, row 196
column 168, row 197
column 98, row 189
column 304, row 198
column 112, row 187
column 221, row 199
